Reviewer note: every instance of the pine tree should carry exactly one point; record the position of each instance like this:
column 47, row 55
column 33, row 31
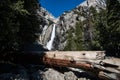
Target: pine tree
column 18, row 24
column 9, row 25
column 75, row 40
column 29, row 23
column 113, row 27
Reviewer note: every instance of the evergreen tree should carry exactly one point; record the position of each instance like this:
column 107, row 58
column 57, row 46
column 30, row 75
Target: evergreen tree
column 107, row 25
column 113, row 28
column 18, row 24
column 104, row 26
column 75, row 39
column 9, row 25
column 29, row 23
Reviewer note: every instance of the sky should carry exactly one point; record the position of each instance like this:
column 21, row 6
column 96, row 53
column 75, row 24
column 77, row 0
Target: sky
column 57, row 7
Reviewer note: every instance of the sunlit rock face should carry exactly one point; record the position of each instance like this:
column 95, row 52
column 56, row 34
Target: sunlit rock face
column 46, row 26
column 67, row 21
column 64, row 23
column 50, row 42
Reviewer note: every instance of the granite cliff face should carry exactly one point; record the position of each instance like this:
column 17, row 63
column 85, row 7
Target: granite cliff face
column 68, row 21
column 47, row 21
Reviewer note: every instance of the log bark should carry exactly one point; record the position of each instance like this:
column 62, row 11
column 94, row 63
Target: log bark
column 108, row 76
column 76, row 55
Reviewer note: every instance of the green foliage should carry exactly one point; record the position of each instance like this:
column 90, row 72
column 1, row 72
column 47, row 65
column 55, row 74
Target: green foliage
column 18, row 24
column 18, row 7
column 75, row 39
column 106, row 31
column 113, row 28
column 104, row 27
column 8, row 26
column 99, row 32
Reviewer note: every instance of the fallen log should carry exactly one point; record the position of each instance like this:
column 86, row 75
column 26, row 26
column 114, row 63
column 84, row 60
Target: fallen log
column 104, row 68
column 92, row 61
column 65, row 63
column 70, row 58
column 76, row 55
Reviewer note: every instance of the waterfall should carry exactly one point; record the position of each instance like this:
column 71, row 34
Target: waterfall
column 49, row 44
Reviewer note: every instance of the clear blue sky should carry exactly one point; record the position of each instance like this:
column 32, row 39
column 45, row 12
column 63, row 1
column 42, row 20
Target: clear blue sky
column 57, row 7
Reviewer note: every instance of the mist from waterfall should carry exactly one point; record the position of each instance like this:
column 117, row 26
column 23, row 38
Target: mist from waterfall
column 49, row 44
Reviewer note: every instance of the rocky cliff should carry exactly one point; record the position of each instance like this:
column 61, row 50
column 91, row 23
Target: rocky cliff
column 46, row 20
column 68, row 21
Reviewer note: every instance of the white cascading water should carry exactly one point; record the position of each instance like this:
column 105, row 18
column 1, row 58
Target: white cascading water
column 49, row 44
